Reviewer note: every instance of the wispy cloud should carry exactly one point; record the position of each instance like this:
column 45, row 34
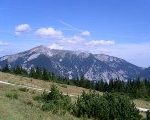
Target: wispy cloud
column 70, row 27
column 101, row 43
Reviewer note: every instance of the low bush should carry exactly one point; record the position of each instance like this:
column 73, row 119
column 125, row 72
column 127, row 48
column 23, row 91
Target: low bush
column 106, row 107
column 24, row 89
column 110, row 106
column 55, row 101
column 12, row 95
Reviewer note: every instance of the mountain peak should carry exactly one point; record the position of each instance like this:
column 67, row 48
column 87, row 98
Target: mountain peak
column 73, row 64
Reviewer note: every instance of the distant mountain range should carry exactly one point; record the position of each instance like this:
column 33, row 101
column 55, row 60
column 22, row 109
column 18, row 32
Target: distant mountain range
column 145, row 73
column 73, row 64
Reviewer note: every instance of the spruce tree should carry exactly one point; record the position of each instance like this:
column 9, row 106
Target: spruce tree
column 6, row 68
column 45, row 75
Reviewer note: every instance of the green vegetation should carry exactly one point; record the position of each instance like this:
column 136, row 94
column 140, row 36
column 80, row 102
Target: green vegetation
column 90, row 105
column 134, row 88
column 56, row 101
column 25, row 107
column 29, row 104
column 113, row 104
column 148, row 115
column 12, row 95
column 107, row 107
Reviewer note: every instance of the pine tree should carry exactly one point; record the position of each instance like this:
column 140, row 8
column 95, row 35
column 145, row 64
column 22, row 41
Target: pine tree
column 45, row 75
column 6, row 68
column 32, row 73
column 17, row 70
column 38, row 73
column 82, row 81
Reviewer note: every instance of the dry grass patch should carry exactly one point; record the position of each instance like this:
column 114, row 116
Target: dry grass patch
column 142, row 103
column 68, row 89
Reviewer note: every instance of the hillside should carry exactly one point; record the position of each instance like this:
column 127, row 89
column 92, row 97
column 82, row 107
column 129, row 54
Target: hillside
column 40, row 84
column 25, row 107
column 73, row 64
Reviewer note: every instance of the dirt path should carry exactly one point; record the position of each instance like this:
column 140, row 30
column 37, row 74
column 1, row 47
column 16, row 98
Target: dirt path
column 29, row 87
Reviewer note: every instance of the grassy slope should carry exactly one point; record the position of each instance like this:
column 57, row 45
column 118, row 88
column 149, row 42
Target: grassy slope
column 20, row 110
column 24, row 108
column 73, row 90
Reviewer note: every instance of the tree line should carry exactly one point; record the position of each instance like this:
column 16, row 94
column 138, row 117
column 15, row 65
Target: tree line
column 136, row 88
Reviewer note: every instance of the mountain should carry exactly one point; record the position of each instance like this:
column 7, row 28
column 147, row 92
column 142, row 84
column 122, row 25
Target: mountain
column 73, row 64
column 145, row 73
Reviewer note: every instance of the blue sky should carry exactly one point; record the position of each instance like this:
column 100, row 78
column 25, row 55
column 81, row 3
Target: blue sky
column 115, row 27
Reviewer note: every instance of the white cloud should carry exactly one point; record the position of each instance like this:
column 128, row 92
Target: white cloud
column 22, row 28
column 100, row 42
column 55, row 46
column 80, row 43
column 85, row 33
column 72, row 43
column 49, row 33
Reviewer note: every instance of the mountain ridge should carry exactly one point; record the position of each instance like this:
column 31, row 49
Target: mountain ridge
column 73, row 64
